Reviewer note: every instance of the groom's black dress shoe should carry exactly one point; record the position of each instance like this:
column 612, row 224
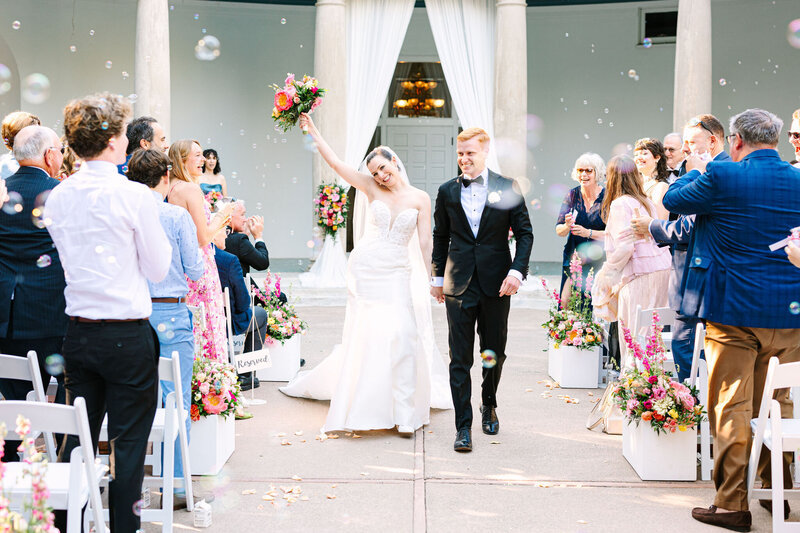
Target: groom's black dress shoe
column 463, row 441
column 489, row 420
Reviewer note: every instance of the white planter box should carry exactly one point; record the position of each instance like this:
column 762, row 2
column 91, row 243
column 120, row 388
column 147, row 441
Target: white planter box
column 574, row 368
column 212, row 441
column 660, row 456
column 285, row 360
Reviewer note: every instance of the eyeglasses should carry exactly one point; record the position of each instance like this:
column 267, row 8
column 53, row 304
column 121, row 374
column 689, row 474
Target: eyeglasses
column 730, row 138
column 697, row 122
column 793, row 135
column 60, row 149
column 584, row 171
column 670, row 150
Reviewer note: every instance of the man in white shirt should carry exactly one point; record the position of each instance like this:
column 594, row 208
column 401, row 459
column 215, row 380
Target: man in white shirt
column 110, row 241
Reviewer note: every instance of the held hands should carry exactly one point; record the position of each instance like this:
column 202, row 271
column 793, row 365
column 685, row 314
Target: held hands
column 438, row 294
column 255, row 226
column 510, row 286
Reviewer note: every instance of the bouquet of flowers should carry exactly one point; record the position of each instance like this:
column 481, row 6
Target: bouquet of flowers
column 215, row 388
column 570, row 323
column 212, row 197
column 295, row 97
column 330, row 207
column 38, row 516
column 650, row 395
column 282, row 320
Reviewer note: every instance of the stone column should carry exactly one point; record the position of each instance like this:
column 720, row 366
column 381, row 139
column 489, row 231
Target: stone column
column 151, row 66
column 511, row 70
column 692, row 94
column 330, row 68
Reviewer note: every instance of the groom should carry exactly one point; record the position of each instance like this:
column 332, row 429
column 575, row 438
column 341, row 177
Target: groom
column 473, row 273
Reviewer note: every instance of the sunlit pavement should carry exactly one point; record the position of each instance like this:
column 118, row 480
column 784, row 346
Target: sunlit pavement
column 543, row 472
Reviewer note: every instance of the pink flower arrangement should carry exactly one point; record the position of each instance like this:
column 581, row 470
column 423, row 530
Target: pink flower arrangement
column 215, row 388
column 212, row 197
column 282, row 320
column 330, row 207
column 295, row 97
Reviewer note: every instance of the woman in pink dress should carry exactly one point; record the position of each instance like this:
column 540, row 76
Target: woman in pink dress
column 636, row 272
column 187, row 160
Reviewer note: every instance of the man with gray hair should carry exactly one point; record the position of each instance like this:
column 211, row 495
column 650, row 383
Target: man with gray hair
column 673, row 147
column 745, row 292
column 31, row 278
column 238, row 242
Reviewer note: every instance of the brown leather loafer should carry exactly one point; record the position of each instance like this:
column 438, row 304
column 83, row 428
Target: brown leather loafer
column 735, row 520
column 767, row 504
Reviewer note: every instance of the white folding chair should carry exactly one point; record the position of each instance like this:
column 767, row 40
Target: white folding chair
column 27, row 369
column 641, row 326
column 779, row 436
column 698, row 377
column 71, row 485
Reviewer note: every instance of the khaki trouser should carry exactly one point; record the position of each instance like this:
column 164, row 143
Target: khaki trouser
column 738, row 359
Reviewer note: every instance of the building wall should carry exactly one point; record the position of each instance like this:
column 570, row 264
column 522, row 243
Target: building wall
column 226, row 104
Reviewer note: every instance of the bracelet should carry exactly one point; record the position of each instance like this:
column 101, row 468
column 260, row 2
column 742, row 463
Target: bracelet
column 590, row 234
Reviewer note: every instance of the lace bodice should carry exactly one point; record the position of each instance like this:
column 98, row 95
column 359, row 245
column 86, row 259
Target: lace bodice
column 398, row 231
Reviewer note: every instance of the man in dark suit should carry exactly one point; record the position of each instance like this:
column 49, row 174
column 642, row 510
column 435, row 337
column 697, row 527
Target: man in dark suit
column 744, row 291
column 31, row 278
column 238, row 242
column 474, row 275
column 703, row 134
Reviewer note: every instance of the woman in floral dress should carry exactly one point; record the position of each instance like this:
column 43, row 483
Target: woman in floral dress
column 187, row 160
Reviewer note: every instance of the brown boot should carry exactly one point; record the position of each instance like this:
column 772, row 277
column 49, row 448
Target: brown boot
column 734, row 520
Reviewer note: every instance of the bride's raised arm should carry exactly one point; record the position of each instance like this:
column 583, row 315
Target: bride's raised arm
column 362, row 182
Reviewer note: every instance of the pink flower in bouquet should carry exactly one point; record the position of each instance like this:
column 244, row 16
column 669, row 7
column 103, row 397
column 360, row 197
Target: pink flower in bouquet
column 317, row 101
column 632, row 404
column 334, row 197
column 683, row 394
column 291, row 91
column 203, row 388
column 283, row 101
column 314, row 90
column 214, row 404
column 289, row 79
column 659, row 393
column 296, row 99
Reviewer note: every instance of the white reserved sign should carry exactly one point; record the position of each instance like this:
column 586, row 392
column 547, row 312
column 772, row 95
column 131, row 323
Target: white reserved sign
column 249, row 361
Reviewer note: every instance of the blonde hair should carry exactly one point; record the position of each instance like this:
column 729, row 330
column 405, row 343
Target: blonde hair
column 178, row 153
column 13, row 122
column 472, row 133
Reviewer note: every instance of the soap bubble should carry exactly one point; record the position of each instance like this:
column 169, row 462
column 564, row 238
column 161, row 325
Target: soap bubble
column 203, row 31
column 566, row 34
column 104, row 125
column 5, row 79
column 723, row 82
column 196, row 16
column 125, row 74
column 535, row 127
column 162, row 327
column 137, row 507
column 91, row 33
column 631, row 73
column 283, row 21
column 536, row 204
column 109, row 64
column 793, row 33
column 636, row 78
column 586, row 136
column 16, row 25
column 98, row 249
column 133, row 97
column 241, row 132
column 36, row 88
column 44, row 261
column 54, row 364
column 294, row 179
column 310, row 244
column 207, row 48
column 488, row 358
column 600, row 121
column 73, row 48
column 647, row 42
column 794, row 308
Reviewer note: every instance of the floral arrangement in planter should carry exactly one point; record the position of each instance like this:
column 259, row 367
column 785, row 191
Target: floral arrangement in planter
column 215, row 388
column 293, row 98
column 330, row 208
column 38, row 516
column 282, row 320
column 212, row 197
column 570, row 323
column 650, row 395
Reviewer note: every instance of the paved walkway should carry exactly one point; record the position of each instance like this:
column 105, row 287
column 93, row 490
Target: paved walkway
column 543, row 472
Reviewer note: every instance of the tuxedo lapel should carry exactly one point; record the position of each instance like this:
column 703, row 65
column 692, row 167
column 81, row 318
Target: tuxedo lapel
column 491, row 187
column 455, row 196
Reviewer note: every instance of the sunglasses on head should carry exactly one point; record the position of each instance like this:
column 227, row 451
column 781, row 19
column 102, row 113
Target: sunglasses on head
column 697, row 122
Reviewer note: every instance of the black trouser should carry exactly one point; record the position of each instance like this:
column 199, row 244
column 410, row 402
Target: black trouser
column 114, row 367
column 491, row 315
column 15, row 389
column 257, row 330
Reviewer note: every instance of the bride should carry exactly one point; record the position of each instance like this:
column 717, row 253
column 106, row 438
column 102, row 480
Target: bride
column 387, row 371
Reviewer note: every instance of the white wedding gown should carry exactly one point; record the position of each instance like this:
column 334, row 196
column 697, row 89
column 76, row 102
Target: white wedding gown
column 387, row 370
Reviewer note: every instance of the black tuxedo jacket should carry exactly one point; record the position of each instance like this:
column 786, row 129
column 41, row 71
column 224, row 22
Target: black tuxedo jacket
column 249, row 256
column 458, row 254
column 37, row 288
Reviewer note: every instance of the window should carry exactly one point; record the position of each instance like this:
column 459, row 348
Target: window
column 658, row 25
column 419, row 90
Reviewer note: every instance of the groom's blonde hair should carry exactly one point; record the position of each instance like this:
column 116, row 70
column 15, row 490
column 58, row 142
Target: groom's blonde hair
column 472, row 133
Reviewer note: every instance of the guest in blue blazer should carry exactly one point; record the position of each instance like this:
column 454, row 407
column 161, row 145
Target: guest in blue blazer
column 31, row 278
column 743, row 290
column 702, row 134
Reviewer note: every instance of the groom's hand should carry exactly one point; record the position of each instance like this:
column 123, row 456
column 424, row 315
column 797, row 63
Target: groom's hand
column 510, row 286
column 438, row 293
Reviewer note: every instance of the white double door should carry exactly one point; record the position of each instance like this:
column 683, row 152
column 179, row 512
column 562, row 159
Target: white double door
column 427, row 150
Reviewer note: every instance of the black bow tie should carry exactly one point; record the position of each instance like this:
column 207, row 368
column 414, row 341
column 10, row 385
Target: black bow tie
column 467, row 182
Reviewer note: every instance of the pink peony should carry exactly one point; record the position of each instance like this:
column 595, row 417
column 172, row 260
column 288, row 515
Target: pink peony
column 203, row 388
column 316, row 104
column 214, row 404
column 289, row 79
column 283, row 101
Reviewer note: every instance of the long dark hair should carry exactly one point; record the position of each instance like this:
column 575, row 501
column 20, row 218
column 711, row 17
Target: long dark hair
column 655, row 147
column 206, row 153
column 622, row 178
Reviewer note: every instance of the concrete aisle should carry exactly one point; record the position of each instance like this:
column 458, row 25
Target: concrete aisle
column 545, row 471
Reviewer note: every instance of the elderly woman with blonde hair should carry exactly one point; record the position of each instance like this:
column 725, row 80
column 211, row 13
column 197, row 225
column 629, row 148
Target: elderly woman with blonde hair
column 579, row 219
column 12, row 124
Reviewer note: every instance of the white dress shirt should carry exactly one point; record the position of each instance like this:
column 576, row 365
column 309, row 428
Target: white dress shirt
column 110, row 241
column 473, row 201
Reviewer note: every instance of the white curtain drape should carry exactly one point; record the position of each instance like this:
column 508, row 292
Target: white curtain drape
column 463, row 31
column 375, row 33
